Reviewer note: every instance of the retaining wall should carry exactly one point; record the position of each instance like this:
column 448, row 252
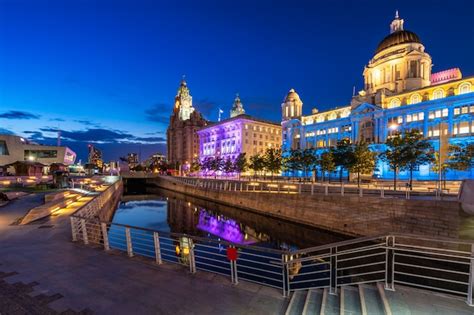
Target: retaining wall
column 350, row 215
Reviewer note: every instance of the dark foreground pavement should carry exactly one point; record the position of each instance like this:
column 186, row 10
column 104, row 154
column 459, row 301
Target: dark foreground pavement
column 43, row 272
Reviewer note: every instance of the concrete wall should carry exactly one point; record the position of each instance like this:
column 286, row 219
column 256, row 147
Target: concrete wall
column 348, row 215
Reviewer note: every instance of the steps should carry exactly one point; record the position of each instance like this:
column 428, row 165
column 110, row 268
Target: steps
column 362, row 299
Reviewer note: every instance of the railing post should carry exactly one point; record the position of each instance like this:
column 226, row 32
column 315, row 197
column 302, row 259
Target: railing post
column 312, row 188
column 382, row 192
column 84, row 232
column 241, row 186
column 129, row 242
column 390, row 263
column 471, row 277
column 333, row 272
column 105, row 236
column 73, row 229
column 285, row 275
column 192, row 261
column 156, row 242
column 326, row 189
column 361, row 192
column 342, row 189
column 407, row 193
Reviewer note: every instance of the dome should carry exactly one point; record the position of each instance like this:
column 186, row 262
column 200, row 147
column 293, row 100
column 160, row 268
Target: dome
column 397, row 38
column 292, row 95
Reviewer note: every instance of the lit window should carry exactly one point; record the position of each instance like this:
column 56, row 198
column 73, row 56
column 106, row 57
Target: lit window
column 465, row 88
column 457, row 111
column 445, row 112
column 437, row 94
column 464, row 127
column 415, row 98
column 395, row 103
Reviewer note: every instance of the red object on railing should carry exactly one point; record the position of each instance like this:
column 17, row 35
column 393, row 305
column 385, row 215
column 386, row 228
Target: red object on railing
column 231, row 253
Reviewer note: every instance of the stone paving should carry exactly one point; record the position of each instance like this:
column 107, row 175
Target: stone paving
column 83, row 279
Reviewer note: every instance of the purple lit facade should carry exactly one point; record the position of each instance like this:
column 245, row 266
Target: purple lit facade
column 240, row 134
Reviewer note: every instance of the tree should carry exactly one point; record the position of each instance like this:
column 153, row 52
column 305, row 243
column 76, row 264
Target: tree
column 343, row 156
column 308, row 160
column 461, row 156
column 363, row 160
column 257, row 163
column 240, row 164
column 293, row 161
column 416, row 151
column 195, row 166
column 272, row 160
column 439, row 166
column 228, row 166
column 216, row 165
column 326, row 163
column 393, row 155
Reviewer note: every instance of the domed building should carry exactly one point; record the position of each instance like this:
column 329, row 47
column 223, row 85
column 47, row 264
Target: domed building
column 400, row 93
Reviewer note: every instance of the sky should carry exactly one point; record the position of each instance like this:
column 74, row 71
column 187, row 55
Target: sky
column 106, row 72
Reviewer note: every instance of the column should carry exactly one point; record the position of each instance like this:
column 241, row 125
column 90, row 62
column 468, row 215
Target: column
column 450, row 120
column 425, row 123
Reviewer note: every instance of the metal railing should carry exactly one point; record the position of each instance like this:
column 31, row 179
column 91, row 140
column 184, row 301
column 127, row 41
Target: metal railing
column 440, row 265
column 325, row 188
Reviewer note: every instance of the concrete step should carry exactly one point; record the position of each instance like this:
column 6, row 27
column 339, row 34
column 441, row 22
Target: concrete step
column 313, row 302
column 371, row 302
column 297, row 303
column 330, row 304
column 350, row 303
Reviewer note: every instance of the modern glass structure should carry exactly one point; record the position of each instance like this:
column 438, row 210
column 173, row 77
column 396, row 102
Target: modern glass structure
column 400, row 93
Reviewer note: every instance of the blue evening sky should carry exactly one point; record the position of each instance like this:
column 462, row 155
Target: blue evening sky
column 106, row 72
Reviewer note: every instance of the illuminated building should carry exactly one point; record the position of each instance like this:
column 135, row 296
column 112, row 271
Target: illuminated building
column 132, row 160
column 95, row 157
column 400, row 93
column 239, row 134
column 182, row 140
column 17, row 149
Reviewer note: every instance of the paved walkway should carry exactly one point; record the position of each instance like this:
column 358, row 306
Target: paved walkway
column 67, row 277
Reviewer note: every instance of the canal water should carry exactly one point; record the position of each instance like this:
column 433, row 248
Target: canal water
column 256, row 236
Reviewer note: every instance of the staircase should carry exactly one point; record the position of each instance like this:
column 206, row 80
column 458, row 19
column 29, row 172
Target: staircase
column 363, row 299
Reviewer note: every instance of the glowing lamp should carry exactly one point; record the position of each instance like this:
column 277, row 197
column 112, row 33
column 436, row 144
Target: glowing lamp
column 393, row 126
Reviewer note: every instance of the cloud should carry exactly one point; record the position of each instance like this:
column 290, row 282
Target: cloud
column 92, row 135
column 56, row 119
column 150, row 139
column 159, row 113
column 206, row 106
column 88, row 123
column 14, row 114
column 6, row 131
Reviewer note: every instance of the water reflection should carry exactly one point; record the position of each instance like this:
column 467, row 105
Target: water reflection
column 172, row 212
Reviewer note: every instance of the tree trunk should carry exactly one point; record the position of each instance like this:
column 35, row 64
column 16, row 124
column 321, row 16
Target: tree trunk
column 340, row 174
column 358, row 179
column 395, row 178
column 411, row 178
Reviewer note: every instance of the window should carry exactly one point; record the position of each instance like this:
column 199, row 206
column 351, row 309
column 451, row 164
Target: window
column 395, row 103
column 465, row 88
column 438, row 113
column 437, row 94
column 40, row 154
column 415, row 98
column 3, row 148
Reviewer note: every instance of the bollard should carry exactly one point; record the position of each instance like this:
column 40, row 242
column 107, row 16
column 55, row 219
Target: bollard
column 312, row 189
column 326, row 189
column 382, row 192
column 241, row 186
column 299, row 188
column 342, row 189
column 361, row 192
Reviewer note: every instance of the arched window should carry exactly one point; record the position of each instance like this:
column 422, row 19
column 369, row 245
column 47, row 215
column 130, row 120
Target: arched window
column 438, row 93
column 394, row 103
column 415, row 98
column 465, row 88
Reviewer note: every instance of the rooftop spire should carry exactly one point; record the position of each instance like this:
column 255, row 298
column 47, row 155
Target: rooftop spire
column 397, row 23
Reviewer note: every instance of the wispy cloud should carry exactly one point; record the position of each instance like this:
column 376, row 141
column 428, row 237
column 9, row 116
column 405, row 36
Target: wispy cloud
column 159, row 113
column 14, row 114
column 6, row 131
column 88, row 123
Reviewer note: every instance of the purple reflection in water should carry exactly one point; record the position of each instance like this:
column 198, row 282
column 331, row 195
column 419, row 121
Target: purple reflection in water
column 224, row 228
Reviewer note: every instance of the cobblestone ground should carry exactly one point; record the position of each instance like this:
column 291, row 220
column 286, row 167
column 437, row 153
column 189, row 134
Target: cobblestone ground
column 19, row 298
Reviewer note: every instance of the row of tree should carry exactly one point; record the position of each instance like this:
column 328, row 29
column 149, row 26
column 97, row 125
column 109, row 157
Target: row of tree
column 405, row 151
